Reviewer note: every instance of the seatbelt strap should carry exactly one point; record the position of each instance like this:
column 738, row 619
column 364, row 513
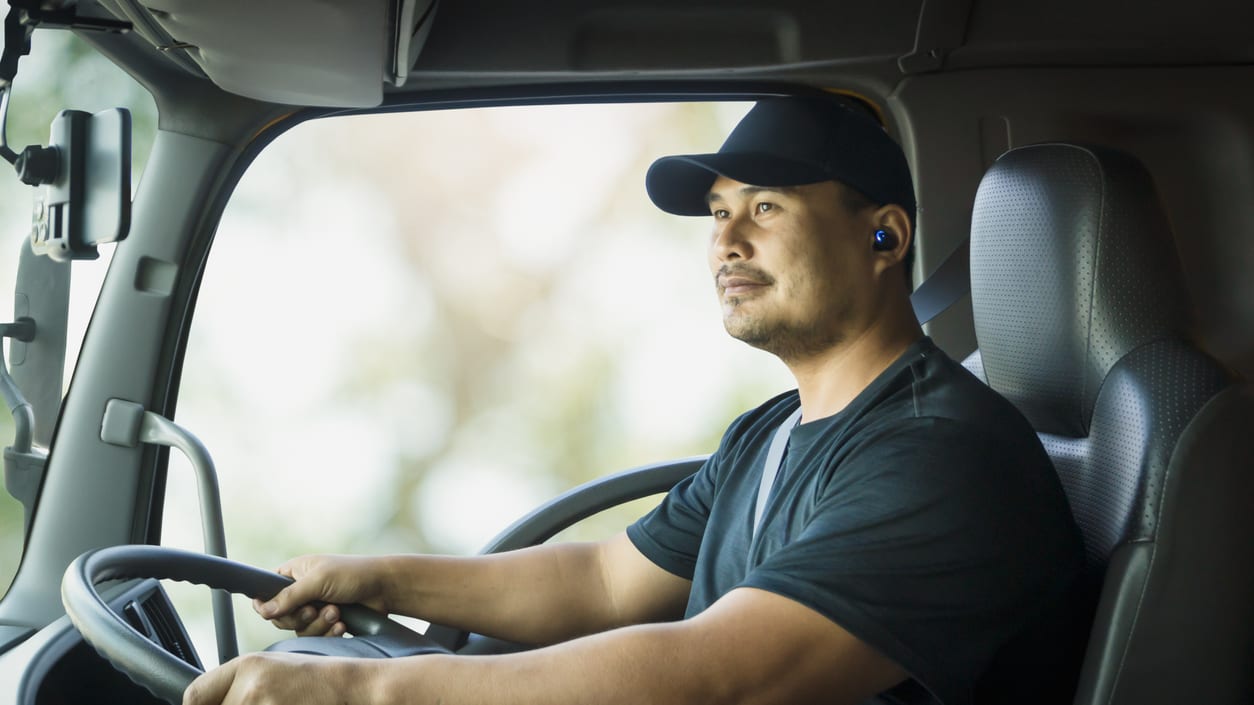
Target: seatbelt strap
column 950, row 282
column 770, row 469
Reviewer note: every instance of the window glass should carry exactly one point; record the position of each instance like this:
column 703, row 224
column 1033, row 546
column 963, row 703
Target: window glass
column 61, row 72
column 414, row 328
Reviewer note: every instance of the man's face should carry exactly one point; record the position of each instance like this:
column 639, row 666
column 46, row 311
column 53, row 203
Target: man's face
column 793, row 266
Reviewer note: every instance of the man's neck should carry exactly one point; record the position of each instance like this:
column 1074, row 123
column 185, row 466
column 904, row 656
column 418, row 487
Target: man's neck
column 828, row 381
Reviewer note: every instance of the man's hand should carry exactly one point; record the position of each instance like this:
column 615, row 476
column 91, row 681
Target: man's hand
column 265, row 678
column 333, row 580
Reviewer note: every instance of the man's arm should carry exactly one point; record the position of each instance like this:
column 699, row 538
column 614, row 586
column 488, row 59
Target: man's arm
column 751, row 646
column 539, row 595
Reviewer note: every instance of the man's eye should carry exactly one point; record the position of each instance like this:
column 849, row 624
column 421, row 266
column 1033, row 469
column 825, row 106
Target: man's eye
column 721, row 213
column 764, row 207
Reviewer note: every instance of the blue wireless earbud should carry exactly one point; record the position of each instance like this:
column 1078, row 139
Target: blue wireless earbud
column 884, row 241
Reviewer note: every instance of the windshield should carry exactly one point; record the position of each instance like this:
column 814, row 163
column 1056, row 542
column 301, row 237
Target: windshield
column 60, row 73
column 415, row 328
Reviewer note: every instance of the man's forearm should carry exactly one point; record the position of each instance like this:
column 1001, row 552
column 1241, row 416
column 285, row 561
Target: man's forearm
column 537, row 596
column 751, row 647
column 642, row 664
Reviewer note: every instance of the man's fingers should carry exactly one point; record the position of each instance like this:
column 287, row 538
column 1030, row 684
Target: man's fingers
column 211, row 687
column 258, row 605
column 290, row 598
column 303, row 606
column 306, row 620
column 297, row 620
column 325, row 623
column 312, row 621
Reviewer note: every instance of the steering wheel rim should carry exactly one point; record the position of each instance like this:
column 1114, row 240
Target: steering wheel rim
column 565, row 510
column 163, row 674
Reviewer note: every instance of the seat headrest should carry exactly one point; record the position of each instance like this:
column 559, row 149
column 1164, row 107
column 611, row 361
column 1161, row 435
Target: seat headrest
column 1072, row 267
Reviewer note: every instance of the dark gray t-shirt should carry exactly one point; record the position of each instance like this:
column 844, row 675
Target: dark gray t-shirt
column 925, row 518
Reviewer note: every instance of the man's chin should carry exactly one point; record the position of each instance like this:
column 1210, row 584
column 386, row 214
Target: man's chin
column 787, row 344
column 750, row 332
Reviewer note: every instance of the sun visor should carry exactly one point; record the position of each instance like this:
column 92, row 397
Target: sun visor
column 300, row 52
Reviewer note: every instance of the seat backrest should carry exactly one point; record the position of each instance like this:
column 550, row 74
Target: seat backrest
column 1082, row 320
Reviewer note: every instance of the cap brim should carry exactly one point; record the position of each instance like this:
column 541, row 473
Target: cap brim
column 680, row 184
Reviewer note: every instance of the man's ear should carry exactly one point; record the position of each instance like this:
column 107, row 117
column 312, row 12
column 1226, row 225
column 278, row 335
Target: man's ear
column 891, row 247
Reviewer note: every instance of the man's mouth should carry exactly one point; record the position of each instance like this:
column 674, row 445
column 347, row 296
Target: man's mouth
column 739, row 286
column 741, row 283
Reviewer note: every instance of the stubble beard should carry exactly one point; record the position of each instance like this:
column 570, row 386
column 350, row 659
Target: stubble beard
column 788, row 341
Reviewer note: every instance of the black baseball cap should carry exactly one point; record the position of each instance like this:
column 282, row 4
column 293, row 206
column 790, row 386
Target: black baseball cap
column 790, row 142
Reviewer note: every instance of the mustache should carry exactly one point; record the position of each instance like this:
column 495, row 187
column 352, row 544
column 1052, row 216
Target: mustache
column 745, row 271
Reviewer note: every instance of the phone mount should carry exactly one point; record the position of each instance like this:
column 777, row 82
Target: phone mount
column 87, row 202
column 84, row 174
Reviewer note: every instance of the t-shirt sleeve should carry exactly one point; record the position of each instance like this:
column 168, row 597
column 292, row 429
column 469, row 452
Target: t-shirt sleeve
column 919, row 546
column 671, row 534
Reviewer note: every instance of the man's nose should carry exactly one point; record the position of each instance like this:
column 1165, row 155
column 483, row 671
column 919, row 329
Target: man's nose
column 730, row 241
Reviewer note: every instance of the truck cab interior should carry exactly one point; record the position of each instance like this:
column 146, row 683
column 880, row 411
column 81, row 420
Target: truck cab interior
column 1085, row 231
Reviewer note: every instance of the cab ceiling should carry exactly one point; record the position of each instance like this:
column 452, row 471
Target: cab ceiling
column 682, row 35
column 478, row 42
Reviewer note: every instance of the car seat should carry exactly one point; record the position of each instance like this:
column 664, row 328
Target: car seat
column 1082, row 321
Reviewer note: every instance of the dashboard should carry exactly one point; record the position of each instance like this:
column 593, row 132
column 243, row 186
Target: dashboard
column 55, row 666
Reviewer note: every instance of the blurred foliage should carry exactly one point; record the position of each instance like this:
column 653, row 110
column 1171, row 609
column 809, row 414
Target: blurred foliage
column 415, row 328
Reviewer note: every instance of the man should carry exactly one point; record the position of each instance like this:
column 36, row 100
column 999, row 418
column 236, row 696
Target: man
column 892, row 529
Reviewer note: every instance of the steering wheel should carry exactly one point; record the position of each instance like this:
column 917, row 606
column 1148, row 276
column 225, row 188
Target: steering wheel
column 166, row 675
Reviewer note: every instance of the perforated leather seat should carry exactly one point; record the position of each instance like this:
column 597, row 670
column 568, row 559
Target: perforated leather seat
column 1082, row 321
